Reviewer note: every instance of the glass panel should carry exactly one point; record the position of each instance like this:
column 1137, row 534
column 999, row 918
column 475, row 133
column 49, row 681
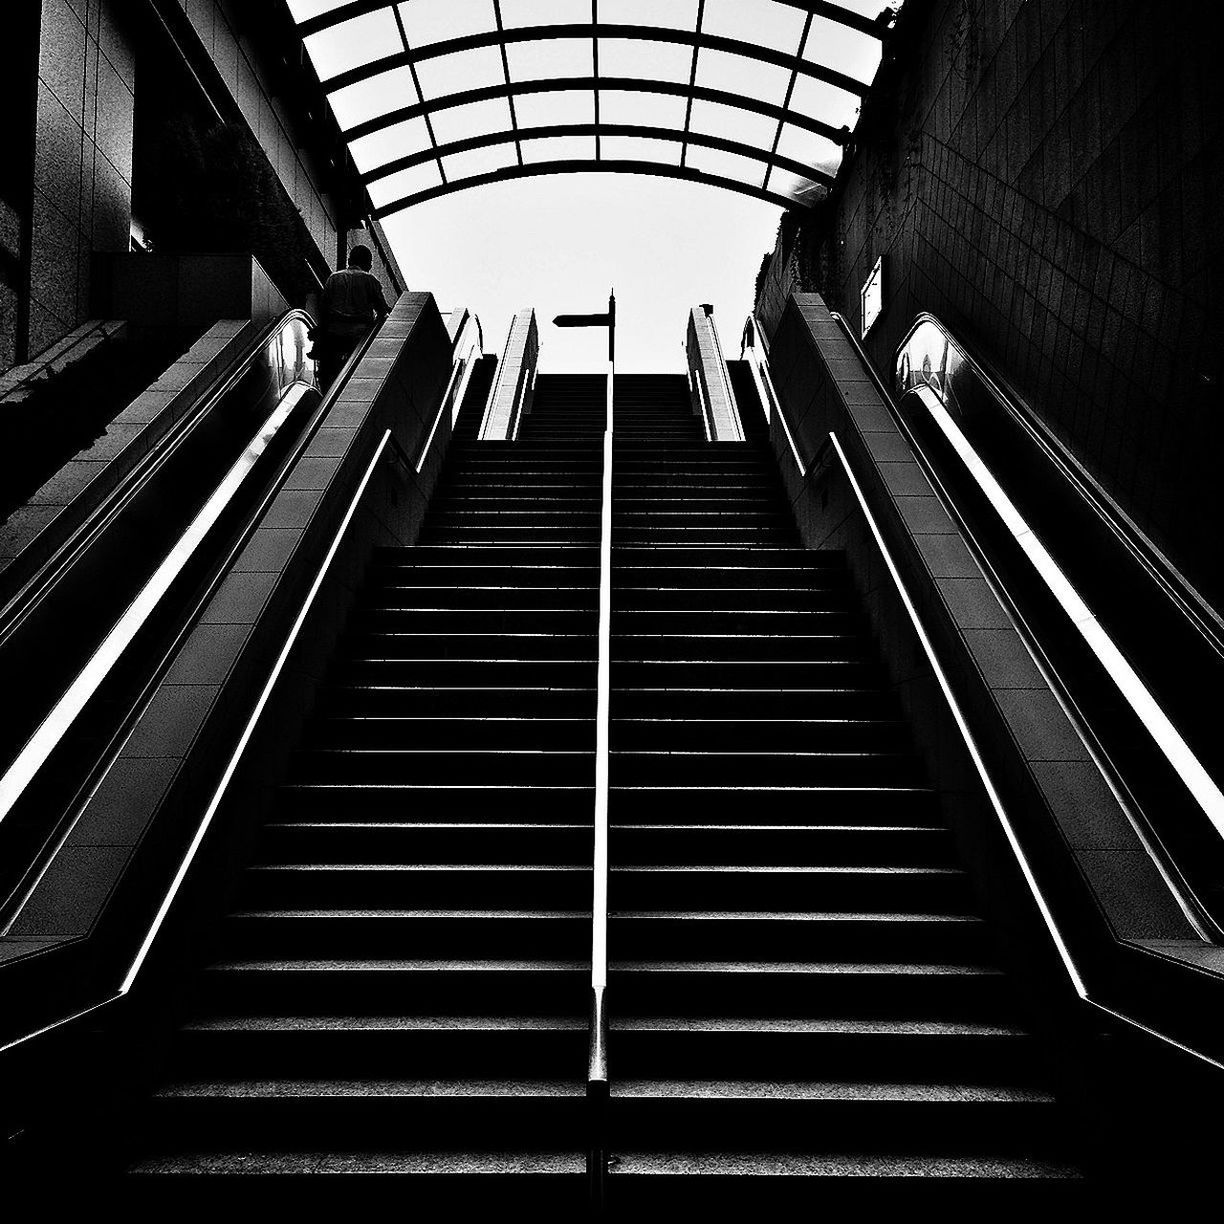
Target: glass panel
column 517, row 13
column 837, row 46
column 399, row 140
column 353, row 43
column 405, row 183
column 479, row 161
column 431, row 21
column 556, row 106
column 731, row 123
column 661, row 14
column 803, row 146
column 665, row 14
column 553, row 57
column 472, row 119
column 867, row 8
column 304, row 10
column 640, row 148
column 764, row 22
column 460, row 71
column 559, row 148
column 738, row 74
column 727, row 165
column 641, row 109
column 825, row 102
column 644, row 60
column 367, row 100
column 801, row 190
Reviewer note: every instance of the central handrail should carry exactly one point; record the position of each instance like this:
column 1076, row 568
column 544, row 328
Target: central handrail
column 597, row 1058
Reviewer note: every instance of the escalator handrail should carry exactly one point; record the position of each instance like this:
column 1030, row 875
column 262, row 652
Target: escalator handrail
column 1197, row 612
column 18, row 774
column 1064, row 945
column 26, row 599
column 159, row 668
column 597, row 1085
column 383, row 446
column 466, row 350
column 1195, row 911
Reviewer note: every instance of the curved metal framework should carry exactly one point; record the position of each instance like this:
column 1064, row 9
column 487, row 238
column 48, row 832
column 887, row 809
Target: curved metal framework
column 431, row 94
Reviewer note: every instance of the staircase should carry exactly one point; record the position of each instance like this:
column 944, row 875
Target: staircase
column 804, row 1005
column 803, row 1002
column 401, row 992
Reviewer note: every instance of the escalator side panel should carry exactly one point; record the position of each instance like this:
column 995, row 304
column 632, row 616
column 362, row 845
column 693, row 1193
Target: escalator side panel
column 1052, row 789
column 32, row 532
column 109, row 875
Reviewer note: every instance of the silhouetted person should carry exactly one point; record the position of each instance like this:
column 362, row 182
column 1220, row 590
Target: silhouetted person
column 352, row 303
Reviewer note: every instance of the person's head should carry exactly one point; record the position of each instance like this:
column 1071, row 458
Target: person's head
column 360, row 257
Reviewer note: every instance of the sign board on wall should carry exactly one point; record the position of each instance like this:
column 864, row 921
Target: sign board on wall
column 872, row 296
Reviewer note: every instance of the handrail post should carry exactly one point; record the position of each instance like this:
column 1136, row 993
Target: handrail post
column 597, row 1061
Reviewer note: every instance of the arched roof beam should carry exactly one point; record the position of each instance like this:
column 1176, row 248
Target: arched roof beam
column 585, row 30
column 821, row 8
column 532, row 169
column 584, row 83
column 676, row 135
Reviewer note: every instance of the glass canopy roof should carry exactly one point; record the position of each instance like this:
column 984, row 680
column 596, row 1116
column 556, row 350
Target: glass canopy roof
column 435, row 96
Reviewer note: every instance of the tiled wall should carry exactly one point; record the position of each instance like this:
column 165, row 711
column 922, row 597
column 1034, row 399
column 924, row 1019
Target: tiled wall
column 83, row 163
column 215, row 23
column 1043, row 181
column 81, row 203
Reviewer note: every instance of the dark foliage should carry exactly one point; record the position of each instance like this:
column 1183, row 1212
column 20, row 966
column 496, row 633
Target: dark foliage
column 216, row 192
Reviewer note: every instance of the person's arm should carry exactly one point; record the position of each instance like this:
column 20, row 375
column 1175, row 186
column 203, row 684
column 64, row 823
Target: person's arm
column 381, row 309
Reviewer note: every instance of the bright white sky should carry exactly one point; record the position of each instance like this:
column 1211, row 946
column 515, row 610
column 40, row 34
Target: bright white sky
column 560, row 242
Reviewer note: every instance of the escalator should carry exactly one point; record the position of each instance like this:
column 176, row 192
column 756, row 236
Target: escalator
column 399, row 991
column 103, row 588
column 807, row 1006
column 576, row 837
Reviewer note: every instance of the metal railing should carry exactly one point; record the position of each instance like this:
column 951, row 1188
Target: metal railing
column 709, row 377
column 510, row 399
column 1072, row 961
column 597, row 1058
column 383, row 448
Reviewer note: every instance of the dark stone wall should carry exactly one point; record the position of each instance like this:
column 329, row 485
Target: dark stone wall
column 1041, row 175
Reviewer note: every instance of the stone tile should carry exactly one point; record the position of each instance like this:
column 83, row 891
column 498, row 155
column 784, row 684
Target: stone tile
column 126, row 800
column 23, row 526
column 208, row 654
column 973, row 603
column 1134, row 897
column 312, row 474
column 925, row 516
column 171, row 721
column 292, row 508
column 60, row 155
column 239, row 599
column 69, row 482
column 1039, row 726
column 72, row 892
column 947, row 556
column 1088, row 812
column 1003, row 659
column 268, row 550
column 905, row 479
column 61, row 55
column 330, row 443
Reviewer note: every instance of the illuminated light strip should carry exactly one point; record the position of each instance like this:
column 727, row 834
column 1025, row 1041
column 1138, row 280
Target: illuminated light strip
column 765, row 389
column 1179, row 754
column 597, row 1069
column 65, row 712
column 252, row 721
column 454, row 396
column 966, row 734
